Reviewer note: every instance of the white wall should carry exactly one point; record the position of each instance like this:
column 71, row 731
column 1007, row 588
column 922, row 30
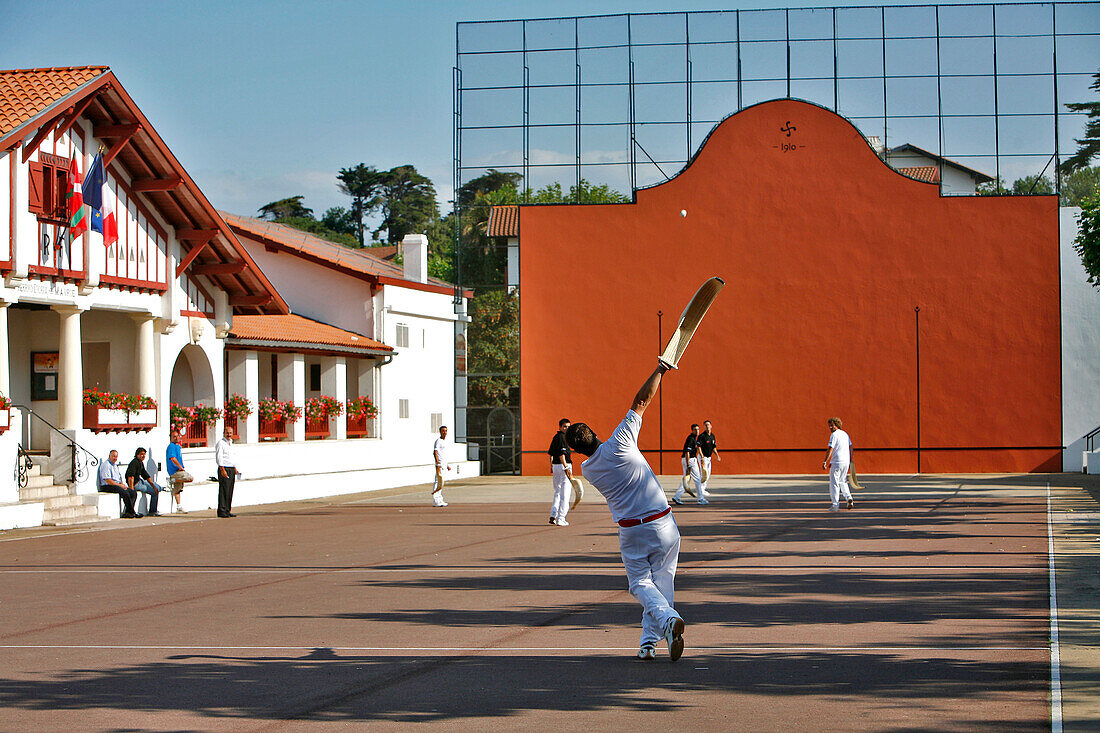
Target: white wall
column 315, row 291
column 423, row 373
column 1080, row 346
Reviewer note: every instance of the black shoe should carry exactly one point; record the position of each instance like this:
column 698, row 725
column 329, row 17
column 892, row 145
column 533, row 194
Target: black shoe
column 222, row 516
column 154, row 514
column 128, row 515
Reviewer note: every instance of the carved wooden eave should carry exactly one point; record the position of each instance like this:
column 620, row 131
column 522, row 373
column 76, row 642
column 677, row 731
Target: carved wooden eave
column 142, row 163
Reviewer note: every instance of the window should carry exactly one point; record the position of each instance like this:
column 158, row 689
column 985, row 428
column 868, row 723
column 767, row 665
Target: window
column 48, row 186
column 402, row 336
column 315, row 377
column 437, row 421
column 403, row 409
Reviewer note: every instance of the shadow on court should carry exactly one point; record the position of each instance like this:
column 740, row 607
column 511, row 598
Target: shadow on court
column 325, row 686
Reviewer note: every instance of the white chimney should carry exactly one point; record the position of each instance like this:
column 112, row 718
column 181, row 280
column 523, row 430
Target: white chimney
column 414, row 250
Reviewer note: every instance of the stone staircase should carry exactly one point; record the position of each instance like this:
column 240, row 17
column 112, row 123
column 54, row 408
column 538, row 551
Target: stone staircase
column 62, row 505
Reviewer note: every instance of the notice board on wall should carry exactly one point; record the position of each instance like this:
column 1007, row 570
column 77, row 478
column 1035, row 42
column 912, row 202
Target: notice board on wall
column 44, row 368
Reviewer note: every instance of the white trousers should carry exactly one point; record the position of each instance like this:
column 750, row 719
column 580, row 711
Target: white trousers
column 437, row 485
column 562, row 491
column 690, row 466
column 650, row 552
column 838, row 483
column 705, row 469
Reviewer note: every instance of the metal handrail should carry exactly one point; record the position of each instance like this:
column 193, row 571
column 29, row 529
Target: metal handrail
column 78, row 464
column 23, row 465
column 1090, row 438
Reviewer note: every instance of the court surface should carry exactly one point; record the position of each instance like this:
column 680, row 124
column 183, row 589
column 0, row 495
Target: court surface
column 926, row 607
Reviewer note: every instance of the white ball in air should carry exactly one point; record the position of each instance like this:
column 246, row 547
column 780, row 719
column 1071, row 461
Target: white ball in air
column 683, row 212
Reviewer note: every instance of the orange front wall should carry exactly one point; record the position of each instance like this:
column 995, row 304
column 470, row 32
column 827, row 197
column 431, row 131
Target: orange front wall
column 826, row 252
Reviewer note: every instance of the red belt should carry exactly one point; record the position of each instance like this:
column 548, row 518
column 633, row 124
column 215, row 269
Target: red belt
column 650, row 518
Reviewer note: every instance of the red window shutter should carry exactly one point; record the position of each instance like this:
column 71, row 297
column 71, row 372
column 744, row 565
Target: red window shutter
column 36, row 185
column 61, row 190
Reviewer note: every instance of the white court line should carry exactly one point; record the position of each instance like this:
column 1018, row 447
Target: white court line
column 784, row 649
column 1055, row 657
column 612, row 568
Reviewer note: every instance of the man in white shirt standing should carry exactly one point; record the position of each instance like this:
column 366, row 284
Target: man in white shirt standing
column 837, row 461
column 439, row 452
column 227, row 473
column 649, row 540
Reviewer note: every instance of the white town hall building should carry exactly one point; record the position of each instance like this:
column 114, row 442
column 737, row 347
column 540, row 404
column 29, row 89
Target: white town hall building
column 101, row 336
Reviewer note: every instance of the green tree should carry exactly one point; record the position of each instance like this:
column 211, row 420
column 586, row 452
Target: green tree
column 1087, row 242
column 363, row 184
column 407, row 202
column 339, row 219
column 494, row 328
column 285, row 209
column 1080, row 185
column 494, row 180
column 1032, row 185
column 1088, row 147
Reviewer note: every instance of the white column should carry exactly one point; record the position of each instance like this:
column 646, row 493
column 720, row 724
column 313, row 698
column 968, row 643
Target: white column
column 244, row 379
column 368, row 388
column 292, row 386
column 70, row 387
column 144, row 359
column 5, row 370
column 334, row 383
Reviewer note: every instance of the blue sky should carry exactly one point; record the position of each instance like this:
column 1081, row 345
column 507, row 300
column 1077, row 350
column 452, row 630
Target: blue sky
column 262, row 100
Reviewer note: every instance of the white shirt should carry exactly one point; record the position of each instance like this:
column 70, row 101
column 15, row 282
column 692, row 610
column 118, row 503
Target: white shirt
column 440, row 450
column 108, row 470
column 621, row 473
column 841, row 445
column 222, row 454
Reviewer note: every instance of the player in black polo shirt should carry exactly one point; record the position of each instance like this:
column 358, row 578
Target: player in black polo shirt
column 708, row 446
column 562, row 466
column 689, row 460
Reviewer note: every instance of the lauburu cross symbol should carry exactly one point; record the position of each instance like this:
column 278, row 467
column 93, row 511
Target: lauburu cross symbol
column 788, row 128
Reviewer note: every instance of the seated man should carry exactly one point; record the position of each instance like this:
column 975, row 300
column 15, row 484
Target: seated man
column 138, row 479
column 109, row 480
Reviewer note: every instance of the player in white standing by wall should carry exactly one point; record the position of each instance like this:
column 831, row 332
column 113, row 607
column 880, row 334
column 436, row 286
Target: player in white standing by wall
column 649, row 540
column 439, row 452
column 837, row 461
column 562, row 466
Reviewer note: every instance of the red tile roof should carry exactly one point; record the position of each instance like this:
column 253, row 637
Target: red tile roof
column 300, row 332
column 383, row 252
column 355, row 262
column 504, row 221
column 26, row 93
column 926, row 173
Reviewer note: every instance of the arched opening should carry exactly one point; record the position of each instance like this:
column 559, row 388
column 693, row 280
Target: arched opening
column 192, row 378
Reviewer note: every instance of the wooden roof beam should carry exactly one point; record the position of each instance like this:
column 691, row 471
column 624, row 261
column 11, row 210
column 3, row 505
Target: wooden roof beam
column 123, row 138
column 156, row 184
column 73, row 115
column 223, row 268
column 249, row 300
column 113, row 131
column 196, row 235
column 196, row 249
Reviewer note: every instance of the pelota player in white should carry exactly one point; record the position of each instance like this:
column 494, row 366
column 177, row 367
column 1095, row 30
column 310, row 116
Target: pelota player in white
column 649, row 540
